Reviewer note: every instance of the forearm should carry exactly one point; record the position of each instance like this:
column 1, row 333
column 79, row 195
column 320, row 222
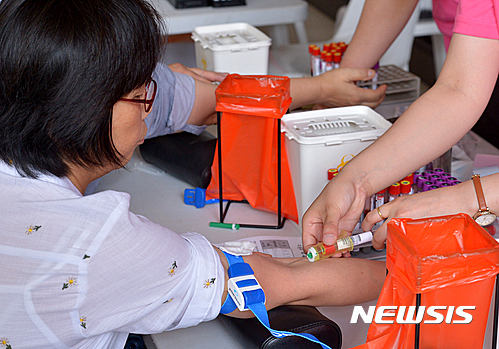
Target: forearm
column 304, row 91
column 437, row 120
column 380, row 23
column 296, row 281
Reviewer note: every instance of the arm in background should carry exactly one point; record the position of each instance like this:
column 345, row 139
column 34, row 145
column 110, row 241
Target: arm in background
column 431, row 125
column 335, row 88
column 380, row 24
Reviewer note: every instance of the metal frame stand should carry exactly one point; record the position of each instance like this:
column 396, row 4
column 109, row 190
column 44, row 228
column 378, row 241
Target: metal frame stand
column 223, row 213
column 417, row 333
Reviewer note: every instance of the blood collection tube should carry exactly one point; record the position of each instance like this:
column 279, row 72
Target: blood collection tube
column 433, row 187
column 378, row 199
column 394, row 191
column 323, row 62
column 455, row 183
column 327, row 47
column 409, row 178
column 434, row 177
column 440, row 181
column 427, row 185
column 445, row 175
column 321, row 251
column 311, row 53
column 316, row 61
column 443, row 185
column 415, row 177
column 428, row 173
column 406, row 188
column 337, row 59
column 328, row 61
column 331, row 172
column 375, row 77
column 438, row 170
column 421, row 180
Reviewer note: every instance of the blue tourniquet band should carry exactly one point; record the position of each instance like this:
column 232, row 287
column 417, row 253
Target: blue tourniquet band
column 255, row 299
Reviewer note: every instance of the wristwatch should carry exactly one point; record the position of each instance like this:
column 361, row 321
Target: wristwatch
column 484, row 216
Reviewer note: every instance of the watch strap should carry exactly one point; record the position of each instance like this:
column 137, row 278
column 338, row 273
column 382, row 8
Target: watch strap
column 479, row 193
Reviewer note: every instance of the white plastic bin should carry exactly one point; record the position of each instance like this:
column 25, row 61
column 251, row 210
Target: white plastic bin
column 322, row 139
column 232, row 48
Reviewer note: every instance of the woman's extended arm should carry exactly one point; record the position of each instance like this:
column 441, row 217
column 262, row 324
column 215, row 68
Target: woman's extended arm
column 433, row 124
column 296, row 281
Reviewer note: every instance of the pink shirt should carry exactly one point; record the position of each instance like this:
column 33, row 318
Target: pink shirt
column 468, row 17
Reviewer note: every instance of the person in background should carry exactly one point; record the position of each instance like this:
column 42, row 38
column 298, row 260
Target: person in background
column 196, row 109
column 83, row 271
column 429, row 127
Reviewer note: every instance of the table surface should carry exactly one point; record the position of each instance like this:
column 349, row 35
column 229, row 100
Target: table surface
column 255, row 12
column 159, row 197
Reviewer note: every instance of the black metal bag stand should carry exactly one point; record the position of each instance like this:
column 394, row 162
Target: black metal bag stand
column 496, row 317
column 223, row 213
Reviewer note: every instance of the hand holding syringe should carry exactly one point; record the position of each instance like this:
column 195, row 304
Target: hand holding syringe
column 344, row 244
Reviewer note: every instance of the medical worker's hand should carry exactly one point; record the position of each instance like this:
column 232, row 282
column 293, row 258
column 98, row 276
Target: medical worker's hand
column 438, row 202
column 198, row 74
column 337, row 208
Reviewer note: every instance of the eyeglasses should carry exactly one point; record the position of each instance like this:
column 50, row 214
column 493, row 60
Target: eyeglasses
column 151, row 88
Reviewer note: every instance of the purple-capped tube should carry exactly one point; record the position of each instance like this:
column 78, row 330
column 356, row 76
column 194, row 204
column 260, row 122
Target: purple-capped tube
column 434, row 177
column 421, row 180
column 451, row 179
column 434, row 187
column 443, row 185
column 438, row 170
column 428, row 173
column 456, row 183
column 427, row 185
column 440, row 181
column 415, row 177
column 445, row 175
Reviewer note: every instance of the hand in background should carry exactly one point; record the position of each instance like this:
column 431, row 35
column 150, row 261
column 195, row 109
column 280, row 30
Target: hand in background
column 198, row 74
column 338, row 88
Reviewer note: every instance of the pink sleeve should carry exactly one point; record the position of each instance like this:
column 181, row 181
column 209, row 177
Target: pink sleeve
column 477, row 18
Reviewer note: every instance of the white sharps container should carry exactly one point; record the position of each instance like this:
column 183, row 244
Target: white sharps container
column 319, row 140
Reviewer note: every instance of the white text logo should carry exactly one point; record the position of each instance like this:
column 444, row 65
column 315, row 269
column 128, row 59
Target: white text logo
column 408, row 315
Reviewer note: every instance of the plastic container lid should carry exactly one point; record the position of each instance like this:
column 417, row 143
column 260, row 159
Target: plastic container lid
column 230, row 37
column 334, row 126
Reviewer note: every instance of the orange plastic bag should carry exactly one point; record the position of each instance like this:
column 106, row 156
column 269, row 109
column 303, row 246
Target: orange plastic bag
column 251, row 107
column 450, row 261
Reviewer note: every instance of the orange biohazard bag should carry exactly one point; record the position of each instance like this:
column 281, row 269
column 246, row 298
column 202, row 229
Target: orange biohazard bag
column 251, row 107
column 451, row 262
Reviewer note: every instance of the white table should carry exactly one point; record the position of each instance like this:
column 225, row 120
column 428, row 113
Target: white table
column 275, row 13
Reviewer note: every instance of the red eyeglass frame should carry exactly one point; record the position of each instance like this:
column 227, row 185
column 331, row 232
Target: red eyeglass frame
column 147, row 102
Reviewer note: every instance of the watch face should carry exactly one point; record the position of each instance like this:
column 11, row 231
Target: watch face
column 485, row 218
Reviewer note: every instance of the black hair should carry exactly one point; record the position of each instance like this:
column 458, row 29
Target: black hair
column 63, row 65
